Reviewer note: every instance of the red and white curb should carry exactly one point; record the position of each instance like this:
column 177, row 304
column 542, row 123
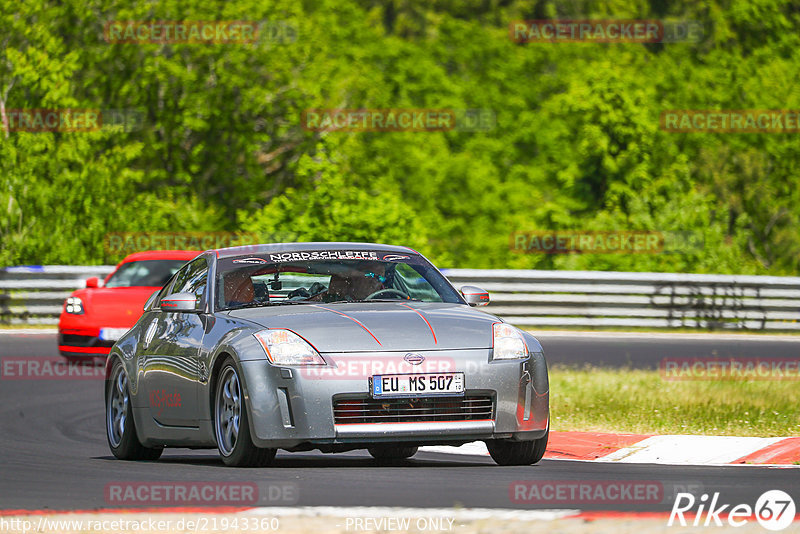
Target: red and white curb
column 669, row 449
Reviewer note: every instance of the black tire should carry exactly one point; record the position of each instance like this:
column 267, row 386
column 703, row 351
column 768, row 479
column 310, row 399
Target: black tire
column 235, row 447
column 394, row 452
column 120, row 427
column 507, row 452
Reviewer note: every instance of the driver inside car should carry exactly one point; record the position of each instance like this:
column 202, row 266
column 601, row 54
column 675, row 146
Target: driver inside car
column 356, row 284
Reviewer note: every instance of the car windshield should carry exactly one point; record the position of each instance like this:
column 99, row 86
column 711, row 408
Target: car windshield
column 310, row 277
column 149, row 273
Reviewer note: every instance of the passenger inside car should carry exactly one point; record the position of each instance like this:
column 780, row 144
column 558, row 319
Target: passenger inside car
column 356, row 284
column 238, row 288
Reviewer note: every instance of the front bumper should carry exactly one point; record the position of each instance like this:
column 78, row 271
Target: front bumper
column 293, row 407
column 439, row 429
column 80, row 335
column 83, row 342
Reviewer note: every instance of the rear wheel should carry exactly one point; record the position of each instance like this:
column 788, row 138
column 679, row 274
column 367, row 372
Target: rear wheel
column 507, row 452
column 231, row 426
column 392, row 453
column 120, row 428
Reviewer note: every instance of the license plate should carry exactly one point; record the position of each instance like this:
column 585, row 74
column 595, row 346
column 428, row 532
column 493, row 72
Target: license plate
column 112, row 334
column 416, row 385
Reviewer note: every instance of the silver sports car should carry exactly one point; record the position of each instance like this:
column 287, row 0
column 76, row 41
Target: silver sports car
column 329, row 346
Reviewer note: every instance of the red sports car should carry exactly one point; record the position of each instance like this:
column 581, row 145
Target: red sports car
column 94, row 318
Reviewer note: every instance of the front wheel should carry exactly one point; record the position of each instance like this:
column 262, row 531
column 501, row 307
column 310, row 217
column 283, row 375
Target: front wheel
column 231, row 426
column 120, row 428
column 507, row 452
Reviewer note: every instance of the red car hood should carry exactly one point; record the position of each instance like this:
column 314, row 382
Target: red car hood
column 113, row 307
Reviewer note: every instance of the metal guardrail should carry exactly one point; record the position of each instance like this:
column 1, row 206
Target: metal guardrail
column 651, row 300
column 34, row 295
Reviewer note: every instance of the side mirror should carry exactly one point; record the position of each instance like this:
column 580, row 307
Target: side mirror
column 475, row 296
column 179, row 302
column 93, row 282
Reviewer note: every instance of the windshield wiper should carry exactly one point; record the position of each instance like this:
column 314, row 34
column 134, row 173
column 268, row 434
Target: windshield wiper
column 373, row 300
column 264, row 304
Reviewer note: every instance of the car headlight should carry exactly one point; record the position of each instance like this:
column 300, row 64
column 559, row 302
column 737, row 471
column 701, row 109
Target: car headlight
column 508, row 343
column 73, row 305
column 284, row 347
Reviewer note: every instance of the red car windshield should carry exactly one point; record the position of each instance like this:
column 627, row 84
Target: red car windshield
column 148, row 273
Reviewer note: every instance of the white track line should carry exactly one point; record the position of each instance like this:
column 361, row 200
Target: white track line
column 462, row 514
column 476, row 448
column 689, row 450
column 670, row 450
column 28, row 331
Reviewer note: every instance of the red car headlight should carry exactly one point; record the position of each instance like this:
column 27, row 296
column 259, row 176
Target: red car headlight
column 74, row 305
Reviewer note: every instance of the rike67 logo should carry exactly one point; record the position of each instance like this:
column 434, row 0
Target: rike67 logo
column 774, row 510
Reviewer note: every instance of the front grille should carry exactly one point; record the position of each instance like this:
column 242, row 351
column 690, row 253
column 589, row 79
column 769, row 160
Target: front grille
column 349, row 411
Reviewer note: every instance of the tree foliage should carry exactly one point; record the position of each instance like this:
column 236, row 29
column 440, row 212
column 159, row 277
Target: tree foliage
column 576, row 144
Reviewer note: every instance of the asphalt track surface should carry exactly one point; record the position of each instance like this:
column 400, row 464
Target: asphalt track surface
column 53, row 451
column 647, row 351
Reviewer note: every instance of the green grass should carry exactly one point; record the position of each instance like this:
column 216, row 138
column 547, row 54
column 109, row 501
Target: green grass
column 636, row 401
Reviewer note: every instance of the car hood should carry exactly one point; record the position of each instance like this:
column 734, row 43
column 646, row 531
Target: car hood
column 379, row 326
column 116, row 306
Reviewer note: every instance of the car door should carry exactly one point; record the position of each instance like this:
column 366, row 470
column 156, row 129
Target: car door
column 171, row 359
